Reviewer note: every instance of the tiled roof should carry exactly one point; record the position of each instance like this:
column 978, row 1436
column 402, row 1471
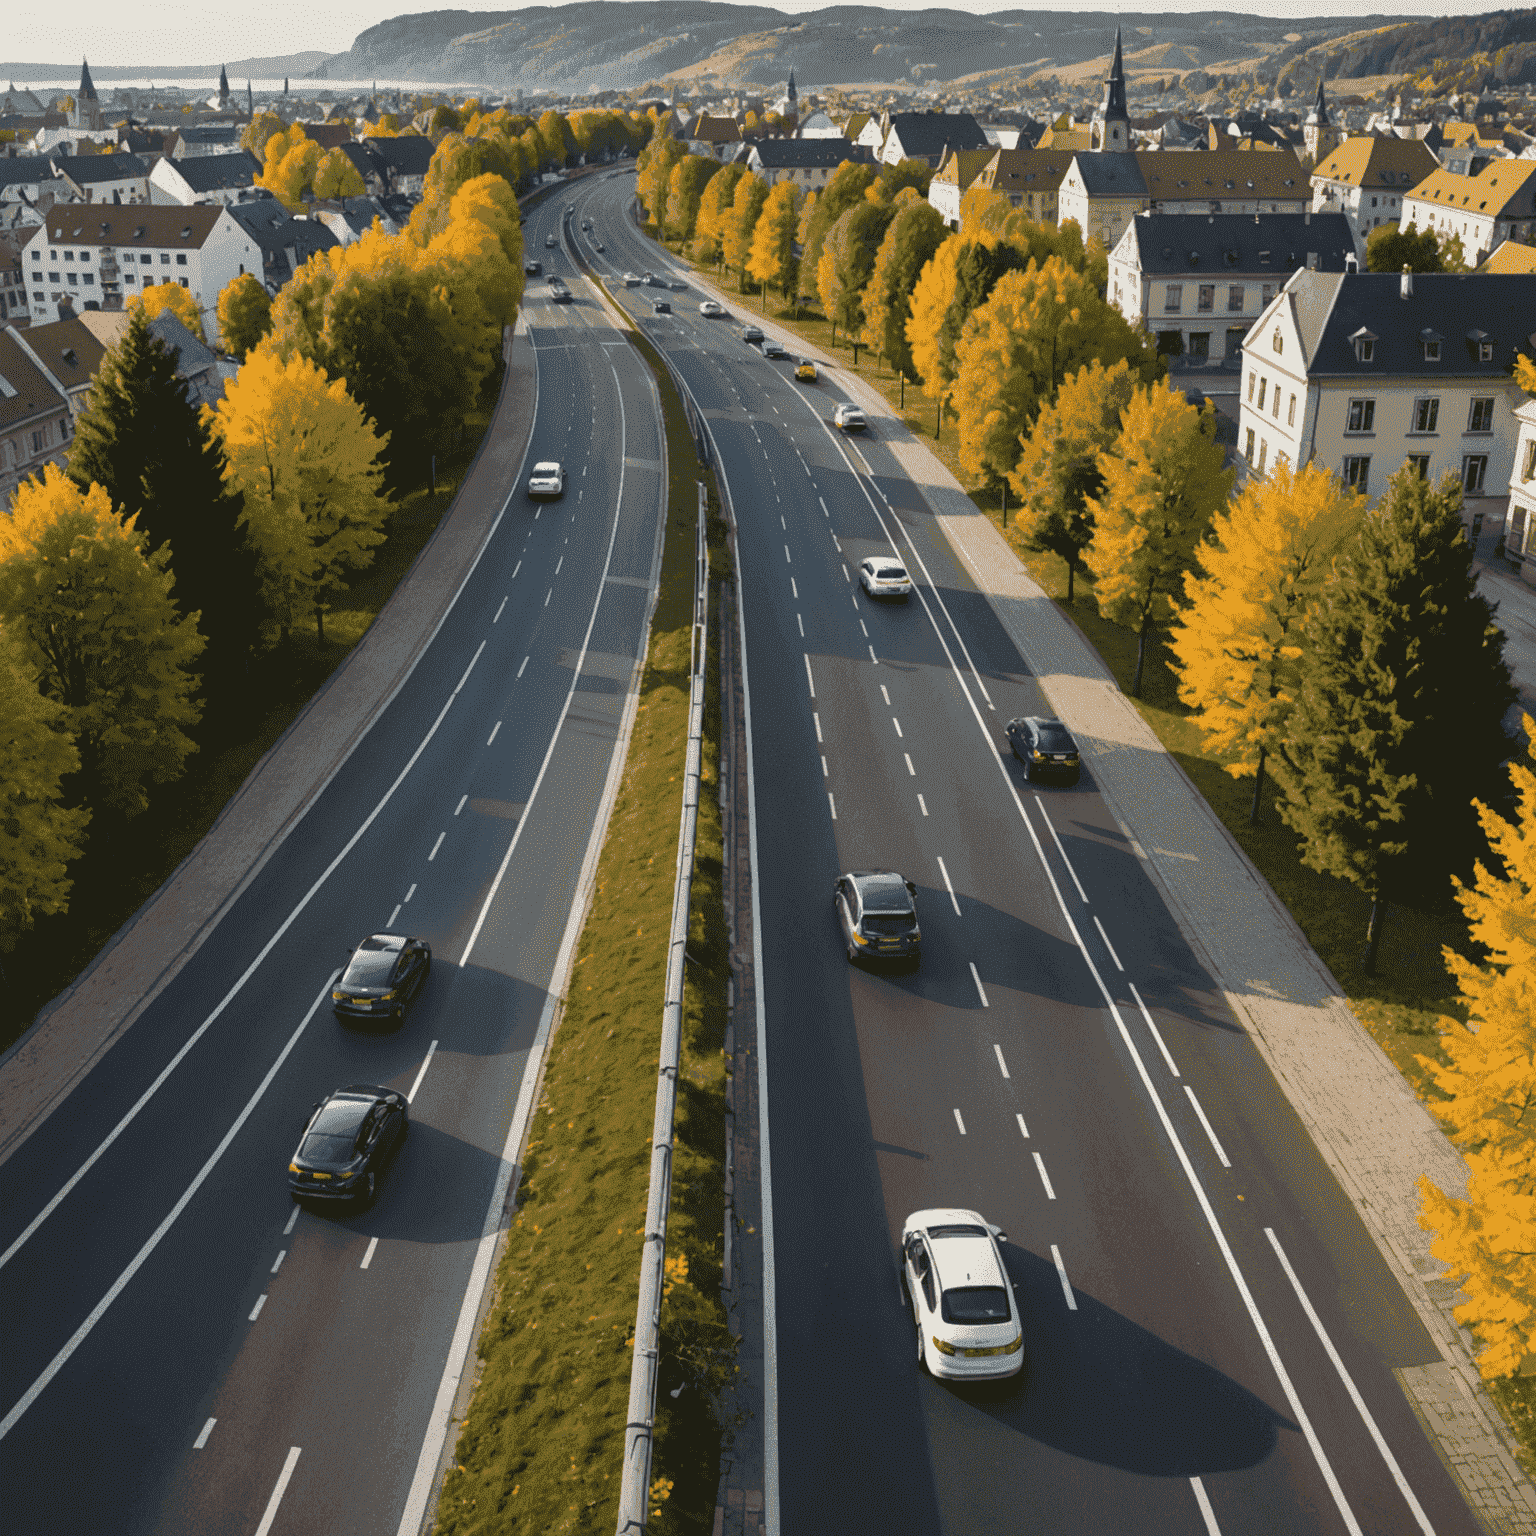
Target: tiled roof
column 213, row 173
column 68, row 350
column 87, row 170
column 928, row 133
column 1373, row 162
column 786, row 154
column 1111, row 175
column 961, row 167
column 1187, row 245
column 25, row 392
column 139, row 224
column 1504, row 188
column 1240, row 175
column 1025, row 170
column 1511, row 257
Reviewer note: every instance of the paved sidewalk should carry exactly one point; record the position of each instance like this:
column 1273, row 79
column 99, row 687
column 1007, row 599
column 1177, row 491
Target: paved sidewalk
column 142, row 959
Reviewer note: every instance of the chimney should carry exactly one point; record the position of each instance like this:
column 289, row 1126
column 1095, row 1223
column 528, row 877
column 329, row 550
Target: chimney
column 1350, row 264
column 1405, row 283
column 1306, row 217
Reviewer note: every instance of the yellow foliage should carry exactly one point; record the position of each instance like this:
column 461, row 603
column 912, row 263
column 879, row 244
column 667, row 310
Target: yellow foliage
column 336, row 176
column 1525, row 374
column 159, row 297
column 931, row 298
column 772, row 258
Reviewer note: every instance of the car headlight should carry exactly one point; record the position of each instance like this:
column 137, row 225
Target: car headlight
column 338, row 997
column 388, row 997
column 1041, row 755
column 858, row 938
column 1016, row 1346
column 294, row 1168
column 942, row 1347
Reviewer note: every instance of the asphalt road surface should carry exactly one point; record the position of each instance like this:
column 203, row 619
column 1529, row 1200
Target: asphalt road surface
column 1211, row 1334
column 183, row 1351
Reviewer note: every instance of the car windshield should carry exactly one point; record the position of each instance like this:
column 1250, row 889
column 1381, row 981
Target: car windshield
column 1055, row 738
column 891, row 573
column 369, row 968
column 889, row 922
column 341, row 1117
column 330, row 1151
column 958, row 1229
column 546, row 469
column 976, row 1304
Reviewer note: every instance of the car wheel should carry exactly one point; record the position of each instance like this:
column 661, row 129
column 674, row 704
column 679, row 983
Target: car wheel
column 1029, row 771
column 922, row 1354
column 370, row 1189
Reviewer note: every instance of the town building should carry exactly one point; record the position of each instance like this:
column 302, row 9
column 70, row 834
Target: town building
column 1109, row 129
column 1497, row 204
column 1368, row 178
column 719, row 137
column 1511, row 257
column 203, row 179
column 809, row 163
column 69, row 353
column 954, row 178
column 929, row 136
column 1029, row 178
column 284, row 243
column 111, row 178
column 199, row 139
column 34, row 417
column 1520, row 518
column 1318, row 136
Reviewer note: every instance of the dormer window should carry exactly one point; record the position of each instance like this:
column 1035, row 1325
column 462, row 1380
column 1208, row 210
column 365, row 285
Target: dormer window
column 1430, row 341
column 1364, row 344
column 1485, row 351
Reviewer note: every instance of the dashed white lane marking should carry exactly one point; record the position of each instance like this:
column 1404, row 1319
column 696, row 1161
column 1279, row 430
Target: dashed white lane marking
column 922, row 805
column 277, row 1493
column 515, row 569
column 558, row 564
column 1045, row 1178
column 825, row 771
column 202, row 1439
column 261, row 1301
column 824, row 511
column 1063, row 852
column 873, row 657
column 1206, row 1512
column 801, row 623
column 373, row 1243
column 548, row 595
column 277, row 1263
column 794, row 591
column 910, row 769
column 816, row 719
column 498, row 611
column 410, row 1098
column 782, row 523
column 863, row 626
column 952, row 901
column 392, row 916
column 811, row 680
column 847, row 577
column 463, row 801
column 411, row 892
column 1195, row 1105
column 435, row 846
column 886, row 695
column 1354, row 1393
column 832, row 801
column 1023, row 1129
column 960, row 1122
column 1156, row 1035
column 897, row 724
column 787, row 560
column 1107, row 945
column 492, row 737
column 1066, row 1285
column 853, row 597
column 293, row 1221
column 981, row 991
column 520, row 669
column 1002, row 1065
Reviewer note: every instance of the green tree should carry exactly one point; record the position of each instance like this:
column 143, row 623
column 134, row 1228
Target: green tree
column 772, row 260
column 1389, row 248
column 714, row 212
column 245, row 314
column 736, row 239
column 1163, row 481
column 895, row 178
column 848, row 262
column 915, row 233
column 255, row 134
column 98, row 627
column 39, row 834
column 1058, row 473
column 141, row 439
column 685, row 188
column 844, row 189
column 1401, row 656
column 336, row 176
column 1236, row 640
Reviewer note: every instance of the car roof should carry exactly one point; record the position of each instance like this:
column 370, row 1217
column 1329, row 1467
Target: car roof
column 882, row 890
column 545, row 464
column 966, row 1261
column 384, row 941
column 942, row 1216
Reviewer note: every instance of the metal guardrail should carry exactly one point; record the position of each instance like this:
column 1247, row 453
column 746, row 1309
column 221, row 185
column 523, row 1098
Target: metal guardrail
column 635, row 1487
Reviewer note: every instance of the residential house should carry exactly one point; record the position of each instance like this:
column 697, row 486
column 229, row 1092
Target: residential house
column 1066, row 134
column 1464, row 151
column 1030, row 179
column 31, row 181
column 855, row 126
column 203, row 372
column 1497, row 204
column 329, row 135
column 391, row 164
column 1368, row 178
column 718, row 137
column 19, row 103
column 1197, row 284
column 870, row 133
column 350, row 218
column 69, row 352
column 110, row 178
column 99, row 257
column 1511, row 257
column 1224, row 181
column 201, row 139
column 817, row 125
column 809, row 163
column 284, row 243
column 203, row 179
column 14, row 309
column 1520, row 519
column 1364, row 371
column 928, row 136
column 34, row 417
column 954, row 178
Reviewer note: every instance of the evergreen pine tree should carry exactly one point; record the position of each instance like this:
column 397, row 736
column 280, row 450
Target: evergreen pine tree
column 140, row 438
column 1398, row 723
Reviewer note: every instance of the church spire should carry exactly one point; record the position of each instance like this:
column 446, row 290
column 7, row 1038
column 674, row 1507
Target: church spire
column 87, row 91
column 1112, row 122
column 223, row 87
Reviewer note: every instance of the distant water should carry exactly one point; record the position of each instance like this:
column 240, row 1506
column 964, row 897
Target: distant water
column 296, row 87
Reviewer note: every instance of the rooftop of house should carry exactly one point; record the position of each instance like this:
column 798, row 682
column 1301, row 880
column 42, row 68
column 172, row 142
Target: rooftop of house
column 1510, row 257
column 69, row 349
column 214, row 173
column 796, row 154
column 1024, row 170
column 1501, row 187
column 1384, row 161
column 1221, row 175
column 1177, row 244
column 962, row 166
column 91, row 170
column 141, row 224
column 25, row 392
column 930, row 133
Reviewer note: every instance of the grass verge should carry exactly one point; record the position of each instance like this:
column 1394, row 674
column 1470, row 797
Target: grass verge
column 541, row 1445
column 126, row 862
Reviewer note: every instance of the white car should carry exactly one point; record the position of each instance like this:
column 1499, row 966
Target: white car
column 547, row 479
column 710, row 309
column 882, row 576
column 849, row 418
column 964, row 1311
column 631, row 280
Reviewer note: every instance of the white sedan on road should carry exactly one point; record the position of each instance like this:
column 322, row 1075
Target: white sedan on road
column 547, row 479
column 709, row 309
column 881, row 576
column 849, row 418
column 963, row 1307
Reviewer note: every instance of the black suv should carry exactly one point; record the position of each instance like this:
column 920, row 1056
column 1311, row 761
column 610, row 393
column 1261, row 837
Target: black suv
column 1046, row 749
column 878, row 915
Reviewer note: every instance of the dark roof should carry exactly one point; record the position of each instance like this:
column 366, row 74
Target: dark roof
column 67, row 349
column 211, row 133
column 138, row 224
column 927, row 133
column 25, row 392
column 786, row 154
column 1459, row 309
column 277, row 232
column 211, row 173
column 1112, row 175
column 408, row 156
column 95, row 168
column 1188, row 245
column 328, row 135
column 26, row 170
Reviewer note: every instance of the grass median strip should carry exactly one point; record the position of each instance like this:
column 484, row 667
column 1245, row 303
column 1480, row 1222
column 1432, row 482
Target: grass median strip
column 541, row 1444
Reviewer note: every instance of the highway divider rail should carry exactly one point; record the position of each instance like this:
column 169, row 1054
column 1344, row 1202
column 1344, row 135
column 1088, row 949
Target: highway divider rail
column 635, row 1488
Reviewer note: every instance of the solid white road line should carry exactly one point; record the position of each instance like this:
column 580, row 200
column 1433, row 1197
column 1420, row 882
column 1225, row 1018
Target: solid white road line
column 277, row 1263
column 498, row 611
column 1045, row 1178
column 1023, row 1129
column 1107, row 945
column 293, row 1221
column 1156, row 1035
column 980, row 990
column 960, row 1122
column 78, row 1337
column 911, row 771
column 1195, row 1103
column 1206, row 1512
column 277, row 1493
column 373, row 1243
column 922, row 805
column 410, row 1098
column 435, row 846
column 817, row 719
column 831, row 801
column 463, row 799
column 1066, row 1285
column 1003, row 1065
column 1349, row 1385
column 950, row 888
column 809, row 679
column 492, row 737
column 261, row 1301
column 202, row 1439
column 1063, row 852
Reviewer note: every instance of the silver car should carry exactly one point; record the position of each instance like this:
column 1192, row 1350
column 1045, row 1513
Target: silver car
column 547, row 479
column 883, row 576
column 964, row 1311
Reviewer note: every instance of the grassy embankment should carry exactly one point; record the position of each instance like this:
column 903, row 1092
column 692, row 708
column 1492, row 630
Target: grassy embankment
column 541, row 1445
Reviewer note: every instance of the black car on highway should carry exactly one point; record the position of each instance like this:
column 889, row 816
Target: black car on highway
column 384, row 975
column 1046, row 749
column 349, row 1140
column 877, row 912
column 751, row 333
column 661, row 307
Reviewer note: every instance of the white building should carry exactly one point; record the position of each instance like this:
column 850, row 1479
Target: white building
column 1368, row 178
column 117, row 178
column 1520, row 523
column 1485, row 210
column 203, row 179
column 99, row 257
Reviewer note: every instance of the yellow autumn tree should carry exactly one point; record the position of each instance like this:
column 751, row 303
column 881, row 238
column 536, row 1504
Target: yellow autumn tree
column 772, row 259
column 931, row 298
column 1525, row 374
column 245, row 314
column 1236, row 636
column 1163, row 482
column 738, row 225
column 291, row 159
column 159, row 297
column 306, row 461
column 1490, row 1083
column 336, row 176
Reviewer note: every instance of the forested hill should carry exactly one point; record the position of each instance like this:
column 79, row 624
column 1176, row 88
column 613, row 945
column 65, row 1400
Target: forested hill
column 601, row 44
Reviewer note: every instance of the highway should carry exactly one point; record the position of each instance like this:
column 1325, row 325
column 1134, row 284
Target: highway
column 184, row 1351
column 1211, row 1333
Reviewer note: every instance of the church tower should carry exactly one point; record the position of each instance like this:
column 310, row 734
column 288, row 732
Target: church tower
column 794, row 96
column 223, row 89
column 87, row 113
column 1316, row 130
column 1111, row 126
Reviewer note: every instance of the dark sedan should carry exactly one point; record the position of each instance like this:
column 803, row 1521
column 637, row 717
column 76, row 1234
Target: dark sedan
column 348, row 1142
column 1046, row 749
column 384, row 975
column 878, row 915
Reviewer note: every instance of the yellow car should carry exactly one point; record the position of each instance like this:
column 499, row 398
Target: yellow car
column 805, row 371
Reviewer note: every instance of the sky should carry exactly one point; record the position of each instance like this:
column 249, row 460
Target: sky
column 166, row 32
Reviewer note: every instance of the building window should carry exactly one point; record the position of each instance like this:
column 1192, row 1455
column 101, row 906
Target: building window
column 1263, row 454
column 181, row 258
column 69, row 255
column 1528, row 471
column 1419, row 463
column 37, row 441
column 1357, row 473
column 1290, row 413
column 1481, row 417
column 1248, row 448
column 1362, row 416
column 1485, row 351
column 1173, row 298
column 165, row 259
column 90, row 279
column 1365, row 349
column 182, row 281
column 1263, row 385
column 1431, row 351
column 1426, row 413
column 144, row 261
column 1235, row 299
column 1251, row 379
column 53, row 277
column 1266, row 297
column 1199, row 343
column 1207, row 300
column 53, row 255
column 1473, row 468
column 74, row 282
